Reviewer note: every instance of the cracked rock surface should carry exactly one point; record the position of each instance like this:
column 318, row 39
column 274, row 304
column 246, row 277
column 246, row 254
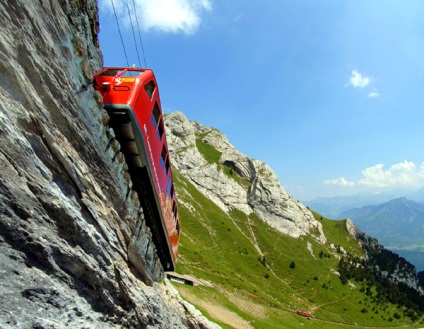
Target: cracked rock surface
column 74, row 248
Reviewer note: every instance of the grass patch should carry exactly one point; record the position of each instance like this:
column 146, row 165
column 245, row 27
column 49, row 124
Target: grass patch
column 335, row 231
column 210, row 153
column 212, row 156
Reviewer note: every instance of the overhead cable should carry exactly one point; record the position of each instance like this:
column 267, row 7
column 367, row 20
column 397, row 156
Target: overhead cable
column 132, row 28
column 119, row 29
column 139, row 35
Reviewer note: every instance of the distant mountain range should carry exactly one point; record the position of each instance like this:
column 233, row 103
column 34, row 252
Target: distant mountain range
column 398, row 224
column 333, row 207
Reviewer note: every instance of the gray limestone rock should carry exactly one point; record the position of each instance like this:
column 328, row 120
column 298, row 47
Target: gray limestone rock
column 258, row 190
column 75, row 251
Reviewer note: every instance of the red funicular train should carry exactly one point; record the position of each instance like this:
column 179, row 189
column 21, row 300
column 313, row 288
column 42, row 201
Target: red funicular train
column 131, row 97
column 305, row 314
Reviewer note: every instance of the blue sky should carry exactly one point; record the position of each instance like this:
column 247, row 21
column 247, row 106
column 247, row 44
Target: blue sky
column 328, row 93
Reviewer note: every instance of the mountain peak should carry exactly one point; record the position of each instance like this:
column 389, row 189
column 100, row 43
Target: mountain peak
column 401, row 201
column 232, row 180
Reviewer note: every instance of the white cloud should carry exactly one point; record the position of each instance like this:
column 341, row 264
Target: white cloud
column 341, row 181
column 173, row 16
column 401, row 175
column 357, row 80
column 404, row 174
column 374, row 94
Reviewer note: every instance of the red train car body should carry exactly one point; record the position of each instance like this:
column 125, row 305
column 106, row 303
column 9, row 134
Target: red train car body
column 305, row 314
column 131, row 97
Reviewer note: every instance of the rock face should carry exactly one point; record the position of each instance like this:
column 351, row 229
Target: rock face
column 256, row 191
column 382, row 262
column 74, row 248
column 365, row 240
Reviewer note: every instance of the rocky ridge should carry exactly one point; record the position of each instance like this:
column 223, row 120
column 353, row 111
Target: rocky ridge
column 383, row 262
column 262, row 195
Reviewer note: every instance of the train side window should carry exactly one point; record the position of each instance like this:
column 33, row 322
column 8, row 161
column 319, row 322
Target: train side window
column 174, row 210
column 178, row 228
column 157, row 121
column 167, row 165
column 160, row 130
column 172, row 191
column 156, row 115
column 169, row 188
column 150, row 88
column 164, row 160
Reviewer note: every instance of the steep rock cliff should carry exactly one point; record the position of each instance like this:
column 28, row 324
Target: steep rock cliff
column 75, row 251
column 384, row 263
column 255, row 190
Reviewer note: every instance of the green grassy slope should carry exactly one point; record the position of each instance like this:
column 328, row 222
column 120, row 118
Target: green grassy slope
column 259, row 277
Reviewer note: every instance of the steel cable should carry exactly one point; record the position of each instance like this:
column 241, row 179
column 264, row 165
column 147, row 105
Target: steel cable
column 119, row 29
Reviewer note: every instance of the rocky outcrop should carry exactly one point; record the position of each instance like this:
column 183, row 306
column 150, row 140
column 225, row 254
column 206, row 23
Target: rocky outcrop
column 382, row 262
column 256, row 189
column 366, row 241
column 74, row 248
